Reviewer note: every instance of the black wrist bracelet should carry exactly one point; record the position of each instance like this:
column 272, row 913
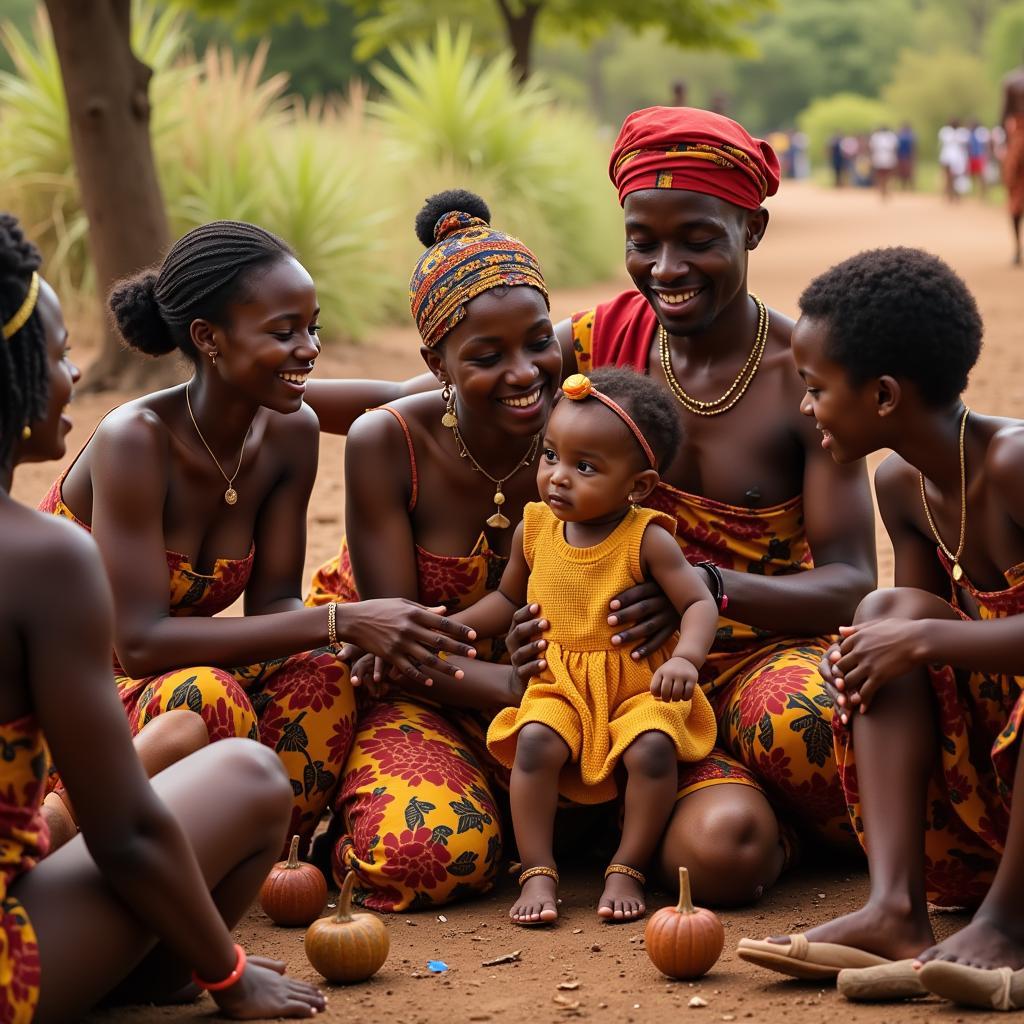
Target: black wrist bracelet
column 715, row 579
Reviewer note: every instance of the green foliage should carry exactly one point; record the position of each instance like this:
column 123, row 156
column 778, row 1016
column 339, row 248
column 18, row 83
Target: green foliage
column 845, row 113
column 37, row 178
column 327, row 176
column 817, row 48
column 928, row 89
column 697, row 24
column 251, row 17
column 1004, row 39
column 446, row 108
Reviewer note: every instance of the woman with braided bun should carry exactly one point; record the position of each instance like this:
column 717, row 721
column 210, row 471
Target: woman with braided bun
column 149, row 891
column 435, row 485
column 197, row 494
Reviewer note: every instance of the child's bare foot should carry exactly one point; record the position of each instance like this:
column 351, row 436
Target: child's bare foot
column 985, row 942
column 884, row 931
column 537, row 899
column 622, row 899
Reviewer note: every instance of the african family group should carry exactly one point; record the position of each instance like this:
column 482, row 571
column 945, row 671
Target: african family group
column 610, row 576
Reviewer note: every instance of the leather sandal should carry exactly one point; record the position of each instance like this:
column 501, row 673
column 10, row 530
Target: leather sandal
column 898, row 980
column 991, row 988
column 800, row 958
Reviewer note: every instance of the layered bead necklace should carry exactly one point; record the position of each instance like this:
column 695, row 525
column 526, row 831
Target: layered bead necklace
column 740, row 383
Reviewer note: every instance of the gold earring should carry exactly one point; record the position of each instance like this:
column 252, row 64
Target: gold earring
column 26, row 432
column 449, row 419
column 213, row 357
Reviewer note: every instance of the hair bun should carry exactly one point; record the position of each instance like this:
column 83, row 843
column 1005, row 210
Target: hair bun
column 454, row 200
column 133, row 303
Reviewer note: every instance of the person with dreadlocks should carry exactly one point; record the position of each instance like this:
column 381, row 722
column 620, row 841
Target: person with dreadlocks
column 162, row 870
column 197, row 495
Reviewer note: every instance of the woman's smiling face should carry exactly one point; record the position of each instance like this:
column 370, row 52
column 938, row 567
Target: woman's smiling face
column 503, row 359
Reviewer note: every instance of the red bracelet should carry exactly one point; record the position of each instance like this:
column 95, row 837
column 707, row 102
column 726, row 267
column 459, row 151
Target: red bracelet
column 219, row 986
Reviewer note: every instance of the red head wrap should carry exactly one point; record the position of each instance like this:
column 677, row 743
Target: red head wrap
column 695, row 150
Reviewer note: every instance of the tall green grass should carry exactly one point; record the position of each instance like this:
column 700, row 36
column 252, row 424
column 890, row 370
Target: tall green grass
column 340, row 179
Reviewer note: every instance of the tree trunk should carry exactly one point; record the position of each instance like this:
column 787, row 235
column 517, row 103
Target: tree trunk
column 108, row 108
column 519, row 28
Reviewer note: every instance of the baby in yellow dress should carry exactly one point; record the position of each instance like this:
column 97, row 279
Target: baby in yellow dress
column 593, row 706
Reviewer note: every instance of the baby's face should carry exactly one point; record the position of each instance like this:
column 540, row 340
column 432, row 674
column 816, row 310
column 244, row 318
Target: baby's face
column 589, row 462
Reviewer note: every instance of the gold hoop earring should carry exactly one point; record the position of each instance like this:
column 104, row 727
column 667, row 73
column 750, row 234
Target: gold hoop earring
column 26, row 432
column 449, row 419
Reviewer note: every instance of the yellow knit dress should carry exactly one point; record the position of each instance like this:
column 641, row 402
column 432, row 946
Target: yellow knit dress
column 594, row 695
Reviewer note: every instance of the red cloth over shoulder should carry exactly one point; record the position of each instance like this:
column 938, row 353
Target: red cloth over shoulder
column 623, row 330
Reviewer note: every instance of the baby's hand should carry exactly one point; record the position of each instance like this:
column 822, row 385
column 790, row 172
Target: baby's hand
column 675, row 680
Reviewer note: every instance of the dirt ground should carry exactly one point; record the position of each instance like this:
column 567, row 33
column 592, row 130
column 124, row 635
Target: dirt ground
column 810, row 229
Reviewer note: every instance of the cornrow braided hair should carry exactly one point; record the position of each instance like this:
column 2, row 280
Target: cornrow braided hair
column 205, row 271
column 24, row 380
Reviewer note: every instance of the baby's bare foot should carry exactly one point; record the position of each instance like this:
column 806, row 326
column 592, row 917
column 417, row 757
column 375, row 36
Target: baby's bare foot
column 622, row 899
column 536, row 903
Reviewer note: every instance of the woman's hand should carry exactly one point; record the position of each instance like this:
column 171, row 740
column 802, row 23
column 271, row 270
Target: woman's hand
column 526, row 645
column 407, row 635
column 874, row 653
column 263, row 993
column 675, row 680
column 648, row 616
column 835, row 685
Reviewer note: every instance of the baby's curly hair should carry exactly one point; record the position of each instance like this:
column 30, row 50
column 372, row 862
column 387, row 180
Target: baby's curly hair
column 902, row 312
column 649, row 405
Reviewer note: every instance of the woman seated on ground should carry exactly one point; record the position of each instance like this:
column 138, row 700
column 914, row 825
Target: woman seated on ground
column 198, row 493
column 161, row 871
column 929, row 677
column 434, row 487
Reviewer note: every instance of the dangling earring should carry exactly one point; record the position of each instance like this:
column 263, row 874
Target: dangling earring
column 213, row 357
column 26, row 432
column 633, row 506
column 449, row 419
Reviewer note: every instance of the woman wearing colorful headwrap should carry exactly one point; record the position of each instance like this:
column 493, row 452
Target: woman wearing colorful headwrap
column 790, row 534
column 434, row 487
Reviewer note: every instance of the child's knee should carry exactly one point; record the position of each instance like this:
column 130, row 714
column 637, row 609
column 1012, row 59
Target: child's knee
column 651, row 754
column 174, row 735
column 539, row 748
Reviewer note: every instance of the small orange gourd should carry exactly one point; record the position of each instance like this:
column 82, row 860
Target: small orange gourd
column 684, row 941
column 347, row 947
column 293, row 893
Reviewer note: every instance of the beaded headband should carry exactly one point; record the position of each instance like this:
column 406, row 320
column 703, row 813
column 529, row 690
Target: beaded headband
column 578, row 386
column 15, row 324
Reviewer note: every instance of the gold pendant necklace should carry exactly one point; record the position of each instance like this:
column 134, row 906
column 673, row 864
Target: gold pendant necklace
column 741, row 381
column 499, row 521
column 230, row 495
column 957, row 572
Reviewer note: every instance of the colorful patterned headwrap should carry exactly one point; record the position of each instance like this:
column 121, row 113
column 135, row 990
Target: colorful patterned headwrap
column 468, row 257
column 694, row 150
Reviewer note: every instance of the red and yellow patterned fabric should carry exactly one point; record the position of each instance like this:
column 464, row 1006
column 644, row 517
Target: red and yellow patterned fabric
column 979, row 717
column 23, row 841
column 774, row 716
column 593, row 695
column 468, row 258
column 414, row 817
column 695, row 150
column 302, row 706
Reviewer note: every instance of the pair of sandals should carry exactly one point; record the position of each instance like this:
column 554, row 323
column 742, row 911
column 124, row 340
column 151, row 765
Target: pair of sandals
column 865, row 977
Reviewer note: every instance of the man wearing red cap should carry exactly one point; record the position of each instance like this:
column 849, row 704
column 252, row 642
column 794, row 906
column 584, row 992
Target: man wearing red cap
column 786, row 534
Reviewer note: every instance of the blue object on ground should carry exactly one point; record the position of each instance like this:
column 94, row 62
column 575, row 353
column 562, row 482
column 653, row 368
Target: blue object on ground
column 437, row 966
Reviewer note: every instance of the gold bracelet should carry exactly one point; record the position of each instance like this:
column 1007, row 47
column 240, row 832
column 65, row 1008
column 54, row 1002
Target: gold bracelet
column 332, row 623
column 625, row 869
